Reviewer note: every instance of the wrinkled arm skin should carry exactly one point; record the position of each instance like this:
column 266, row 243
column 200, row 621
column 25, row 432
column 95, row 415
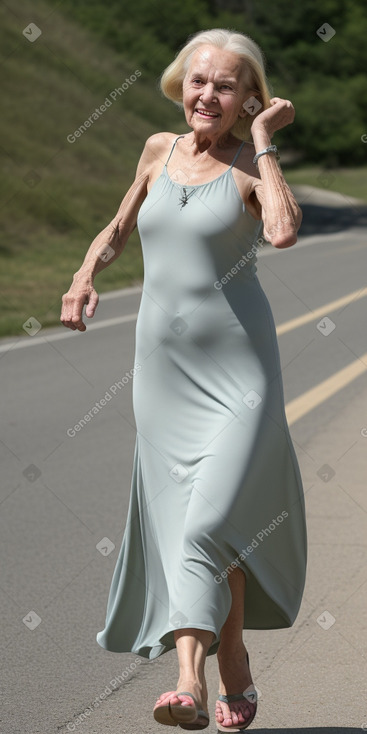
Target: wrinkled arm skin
column 114, row 235
column 280, row 212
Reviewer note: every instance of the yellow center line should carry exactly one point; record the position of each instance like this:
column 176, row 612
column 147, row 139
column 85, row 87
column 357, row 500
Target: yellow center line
column 310, row 399
column 317, row 395
column 319, row 312
column 296, row 408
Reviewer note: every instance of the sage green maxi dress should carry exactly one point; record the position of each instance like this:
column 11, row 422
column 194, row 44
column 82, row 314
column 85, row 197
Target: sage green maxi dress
column 215, row 482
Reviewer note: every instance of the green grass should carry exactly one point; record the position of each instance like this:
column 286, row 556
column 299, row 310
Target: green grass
column 348, row 181
column 56, row 196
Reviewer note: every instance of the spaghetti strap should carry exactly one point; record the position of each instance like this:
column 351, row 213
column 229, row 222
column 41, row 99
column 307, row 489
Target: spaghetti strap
column 237, row 154
column 180, row 136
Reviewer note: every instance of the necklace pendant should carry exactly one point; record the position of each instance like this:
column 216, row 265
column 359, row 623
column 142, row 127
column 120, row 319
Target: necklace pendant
column 184, row 198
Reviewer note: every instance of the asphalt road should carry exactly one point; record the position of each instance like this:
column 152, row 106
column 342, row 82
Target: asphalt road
column 64, row 491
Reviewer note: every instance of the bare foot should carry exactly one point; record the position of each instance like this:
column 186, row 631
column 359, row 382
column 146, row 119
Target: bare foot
column 235, row 677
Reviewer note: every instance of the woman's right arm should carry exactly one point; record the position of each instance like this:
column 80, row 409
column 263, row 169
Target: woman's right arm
column 107, row 247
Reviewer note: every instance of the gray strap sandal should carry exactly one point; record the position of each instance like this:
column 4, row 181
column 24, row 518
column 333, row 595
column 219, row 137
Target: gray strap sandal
column 188, row 717
column 249, row 695
column 201, row 718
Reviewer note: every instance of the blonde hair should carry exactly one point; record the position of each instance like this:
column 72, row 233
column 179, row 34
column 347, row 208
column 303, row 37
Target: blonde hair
column 254, row 70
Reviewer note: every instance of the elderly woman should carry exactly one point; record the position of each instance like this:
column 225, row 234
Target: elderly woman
column 215, row 538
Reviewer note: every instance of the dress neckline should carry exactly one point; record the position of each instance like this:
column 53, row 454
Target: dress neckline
column 197, row 186
column 194, row 186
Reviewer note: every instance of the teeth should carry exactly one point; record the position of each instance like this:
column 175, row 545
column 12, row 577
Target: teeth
column 208, row 114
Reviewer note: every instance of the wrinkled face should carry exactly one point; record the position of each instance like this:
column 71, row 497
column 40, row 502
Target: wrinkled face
column 214, row 90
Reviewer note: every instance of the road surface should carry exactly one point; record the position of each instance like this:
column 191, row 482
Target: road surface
column 65, row 491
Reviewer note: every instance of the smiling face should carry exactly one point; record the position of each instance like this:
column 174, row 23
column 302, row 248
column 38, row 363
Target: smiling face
column 214, row 91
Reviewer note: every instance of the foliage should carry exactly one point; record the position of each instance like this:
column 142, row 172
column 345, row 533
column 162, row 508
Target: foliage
column 56, row 195
column 325, row 80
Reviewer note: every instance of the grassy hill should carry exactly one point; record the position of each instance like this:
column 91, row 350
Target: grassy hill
column 55, row 195
column 59, row 190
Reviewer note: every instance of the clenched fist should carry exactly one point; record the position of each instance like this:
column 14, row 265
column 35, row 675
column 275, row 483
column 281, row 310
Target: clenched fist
column 280, row 114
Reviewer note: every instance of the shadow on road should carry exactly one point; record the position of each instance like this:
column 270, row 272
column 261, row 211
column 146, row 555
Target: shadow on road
column 313, row 730
column 323, row 219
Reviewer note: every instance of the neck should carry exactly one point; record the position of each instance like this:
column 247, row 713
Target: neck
column 201, row 142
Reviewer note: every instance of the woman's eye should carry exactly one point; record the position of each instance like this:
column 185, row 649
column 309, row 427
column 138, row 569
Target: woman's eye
column 222, row 86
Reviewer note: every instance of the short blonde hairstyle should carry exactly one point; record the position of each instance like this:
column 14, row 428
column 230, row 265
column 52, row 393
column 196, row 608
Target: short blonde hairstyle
column 228, row 40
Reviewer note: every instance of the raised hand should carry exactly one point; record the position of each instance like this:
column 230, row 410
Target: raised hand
column 278, row 115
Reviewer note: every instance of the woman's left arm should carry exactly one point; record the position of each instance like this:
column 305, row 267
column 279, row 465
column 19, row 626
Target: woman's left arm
column 280, row 212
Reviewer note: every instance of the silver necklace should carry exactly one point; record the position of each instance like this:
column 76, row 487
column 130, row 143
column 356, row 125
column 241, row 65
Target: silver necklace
column 185, row 196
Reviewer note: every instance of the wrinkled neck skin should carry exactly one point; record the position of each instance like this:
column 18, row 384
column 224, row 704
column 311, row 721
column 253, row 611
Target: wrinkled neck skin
column 198, row 142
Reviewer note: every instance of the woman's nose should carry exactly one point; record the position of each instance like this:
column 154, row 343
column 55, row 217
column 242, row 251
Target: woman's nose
column 208, row 92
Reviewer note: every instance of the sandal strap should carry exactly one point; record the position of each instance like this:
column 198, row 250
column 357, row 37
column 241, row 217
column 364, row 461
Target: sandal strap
column 200, row 712
column 249, row 694
column 187, row 693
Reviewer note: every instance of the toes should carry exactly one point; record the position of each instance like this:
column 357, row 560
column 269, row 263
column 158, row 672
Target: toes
column 243, row 714
column 170, row 697
column 235, row 718
column 237, row 715
column 223, row 714
column 185, row 700
column 165, row 697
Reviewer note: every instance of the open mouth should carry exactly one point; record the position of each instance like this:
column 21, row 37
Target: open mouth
column 206, row 113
